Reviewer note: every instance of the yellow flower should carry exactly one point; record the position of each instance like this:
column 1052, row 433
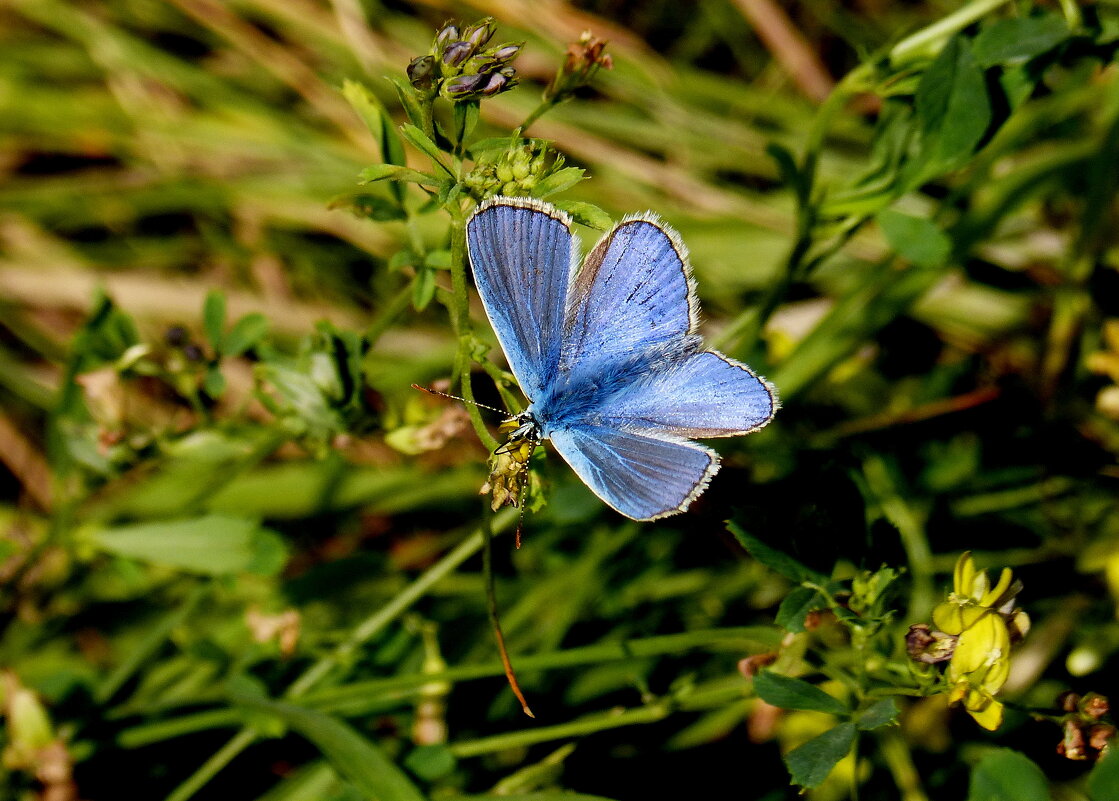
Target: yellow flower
column 978, row 614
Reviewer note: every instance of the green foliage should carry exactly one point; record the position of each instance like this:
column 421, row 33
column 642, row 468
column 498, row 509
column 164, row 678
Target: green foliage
column 211, row 544
column 810, row 764
column 790, row 693
column 1005, row 775
column 239, row 553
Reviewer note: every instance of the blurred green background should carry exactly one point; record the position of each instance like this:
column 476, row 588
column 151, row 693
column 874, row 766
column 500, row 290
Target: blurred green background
column 211, row 500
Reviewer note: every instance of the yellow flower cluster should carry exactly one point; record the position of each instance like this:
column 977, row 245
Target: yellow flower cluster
column 508, row 468
column 983, row 620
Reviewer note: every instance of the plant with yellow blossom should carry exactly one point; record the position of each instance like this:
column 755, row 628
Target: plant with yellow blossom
column 974, row 631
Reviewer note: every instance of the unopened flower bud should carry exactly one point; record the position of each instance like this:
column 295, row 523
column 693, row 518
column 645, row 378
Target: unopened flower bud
column 448, row 33
column 1101, row 736
column 1068, row 701
column 1095, row 706
column 496, row 83
column 1072, row 741
column 507, row 53
column 925, row 645
column 480, row 33
column 456, row 53
column 421, row 72
column 176, row 336
column 463, row 86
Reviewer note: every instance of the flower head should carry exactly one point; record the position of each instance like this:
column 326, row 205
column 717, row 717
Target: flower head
column 975, row 627
column 584, row 59
column 459, row 66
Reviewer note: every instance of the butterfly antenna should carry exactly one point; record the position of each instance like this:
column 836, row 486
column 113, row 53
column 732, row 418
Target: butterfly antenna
column 431, row 391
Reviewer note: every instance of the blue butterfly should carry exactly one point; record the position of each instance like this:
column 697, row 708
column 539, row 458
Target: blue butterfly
column 608, row 355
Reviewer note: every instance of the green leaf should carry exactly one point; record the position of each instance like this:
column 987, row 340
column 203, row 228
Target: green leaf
column 1006, row 775
column 1016, row 39
column 878, row 714
column 421, row 142
column 438, row 259
column 953, row 110
column 1103, row 781
column 431, row 762
column 775, row 560
column 811, row 763
column 558, row 181
column 408, row 99
column 915, row 239
column 370, row 206
column 1017, row 84
column 214, row 382
column 789, row 693
column 246, row 333
column 212, row 544
column 586, row 214
column 376, row 119
column 391, row 172
column 796, row 606
column 423, row 288
column 466, row 117
column 213, row 318
column 403, row 258
column 356, row 758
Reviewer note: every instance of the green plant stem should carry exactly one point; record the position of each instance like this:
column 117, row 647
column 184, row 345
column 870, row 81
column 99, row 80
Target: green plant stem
column 651, row 713
column 895, row 752
column 376, row 622
column 150, row 644
column 387, row 316
column 928, row 40
column 343, row 652
column 355, row 697
column 212, row 766
column 460, row 319
column 537, row 113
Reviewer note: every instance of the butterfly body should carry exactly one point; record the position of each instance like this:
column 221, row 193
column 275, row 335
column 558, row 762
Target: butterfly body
column 608, row 354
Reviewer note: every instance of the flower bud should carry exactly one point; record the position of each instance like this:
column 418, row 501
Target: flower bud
column 1101, row 736
column 507, row 53
column 456, row 53
column 421, row 72
column 463, row 86
column 496, row 83
column 447, row 34
column 176, row 336
column 479, row 33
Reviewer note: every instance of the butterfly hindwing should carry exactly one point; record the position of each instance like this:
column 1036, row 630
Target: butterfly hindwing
column 641, row 476
column 521, row 251
column 703, row 394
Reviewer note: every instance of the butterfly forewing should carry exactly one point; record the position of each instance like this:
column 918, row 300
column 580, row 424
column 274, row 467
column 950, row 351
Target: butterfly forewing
column 521, row 252
column 633, row 294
